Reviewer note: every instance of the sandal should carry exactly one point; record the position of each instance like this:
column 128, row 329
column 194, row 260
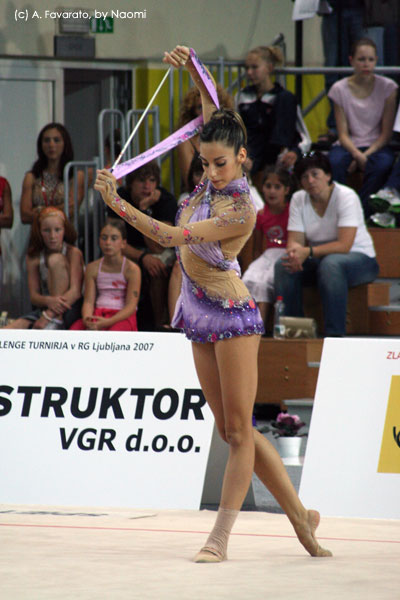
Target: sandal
column 53, row 323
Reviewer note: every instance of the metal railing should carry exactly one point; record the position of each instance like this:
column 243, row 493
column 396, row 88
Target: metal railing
column 88, row 212
column 150, row 130
column 110, row 122
column 328, row 71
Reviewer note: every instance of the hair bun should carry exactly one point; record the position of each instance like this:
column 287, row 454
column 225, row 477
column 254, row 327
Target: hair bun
column 226, row 126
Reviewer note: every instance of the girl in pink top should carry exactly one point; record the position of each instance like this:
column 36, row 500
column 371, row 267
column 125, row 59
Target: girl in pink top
column 364, row 106
column 112, row 285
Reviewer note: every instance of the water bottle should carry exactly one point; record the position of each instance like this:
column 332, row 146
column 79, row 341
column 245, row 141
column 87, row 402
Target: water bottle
column 279, row 307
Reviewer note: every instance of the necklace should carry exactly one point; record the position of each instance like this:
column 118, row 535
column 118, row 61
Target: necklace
column 46, row 187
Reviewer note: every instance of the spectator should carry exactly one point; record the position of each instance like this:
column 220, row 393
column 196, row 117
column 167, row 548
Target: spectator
column 6, row 215
column 55, row 273
column 142, row 190
column 328, row 244
column 112, row 285
column 43, row 185
column 364, row 106
column 269, row 113
column 190, row 109
column 270, row 237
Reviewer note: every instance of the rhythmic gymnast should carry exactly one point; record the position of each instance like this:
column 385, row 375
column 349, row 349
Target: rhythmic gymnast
column 217, row 313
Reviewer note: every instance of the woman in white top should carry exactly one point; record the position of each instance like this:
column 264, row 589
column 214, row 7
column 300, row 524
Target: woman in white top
column 364, row 106
column 328, row 244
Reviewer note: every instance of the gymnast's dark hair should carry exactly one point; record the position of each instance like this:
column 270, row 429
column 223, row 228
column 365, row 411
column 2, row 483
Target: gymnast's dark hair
column 227, row 127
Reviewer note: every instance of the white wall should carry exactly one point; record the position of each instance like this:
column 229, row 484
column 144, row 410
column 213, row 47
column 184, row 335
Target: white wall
column 213, row 28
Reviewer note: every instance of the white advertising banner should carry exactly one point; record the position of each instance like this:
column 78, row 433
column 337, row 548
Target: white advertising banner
column 352, row 462
column 101, row 419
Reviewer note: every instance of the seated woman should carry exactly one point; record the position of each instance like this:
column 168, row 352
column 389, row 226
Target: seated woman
column 364, row 106
column 328, row 244
column 55, row 273
column 43, row 185
column 269, row 113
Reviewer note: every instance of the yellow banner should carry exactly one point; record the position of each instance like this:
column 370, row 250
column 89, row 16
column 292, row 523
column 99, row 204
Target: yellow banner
column 389, row 460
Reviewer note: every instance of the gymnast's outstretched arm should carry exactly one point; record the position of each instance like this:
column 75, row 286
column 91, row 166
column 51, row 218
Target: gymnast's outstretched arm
column 238, row 218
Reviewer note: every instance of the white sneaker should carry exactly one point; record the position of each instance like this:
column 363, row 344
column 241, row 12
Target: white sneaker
column 389, row 194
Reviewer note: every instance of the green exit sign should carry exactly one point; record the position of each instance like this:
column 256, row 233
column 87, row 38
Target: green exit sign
column 102, row 25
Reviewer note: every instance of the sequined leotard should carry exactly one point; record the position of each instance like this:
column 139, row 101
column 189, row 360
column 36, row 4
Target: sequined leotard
column 212, row 227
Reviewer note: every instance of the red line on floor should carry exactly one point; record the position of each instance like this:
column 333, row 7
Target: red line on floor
column 188, row 531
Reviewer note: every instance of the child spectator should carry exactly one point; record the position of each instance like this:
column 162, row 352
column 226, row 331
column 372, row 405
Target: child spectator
column 6, row 215
column 112, row 285
column 55, row 273
column 270, row 233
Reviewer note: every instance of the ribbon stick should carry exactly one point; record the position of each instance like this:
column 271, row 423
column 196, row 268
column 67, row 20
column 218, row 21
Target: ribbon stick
column 146, row 110
column 181, row 135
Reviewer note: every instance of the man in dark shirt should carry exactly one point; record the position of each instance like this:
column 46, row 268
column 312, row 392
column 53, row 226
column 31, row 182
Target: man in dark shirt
column 142, row 190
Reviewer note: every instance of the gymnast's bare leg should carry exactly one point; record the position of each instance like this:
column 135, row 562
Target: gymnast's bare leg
column 227, row 372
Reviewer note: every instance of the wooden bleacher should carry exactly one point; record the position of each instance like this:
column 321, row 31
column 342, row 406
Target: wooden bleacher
column 287, row 369
column 384, row 320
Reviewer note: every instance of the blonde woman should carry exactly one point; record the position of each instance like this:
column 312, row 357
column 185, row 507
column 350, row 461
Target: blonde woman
column 269, row 113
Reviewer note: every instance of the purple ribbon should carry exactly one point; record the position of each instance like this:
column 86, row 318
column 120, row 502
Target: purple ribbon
column 183, row 134
column 202, row 71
